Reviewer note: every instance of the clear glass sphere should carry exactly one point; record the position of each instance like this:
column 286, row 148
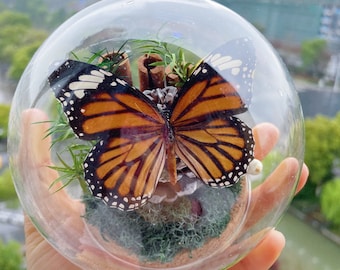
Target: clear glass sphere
column 155, row 134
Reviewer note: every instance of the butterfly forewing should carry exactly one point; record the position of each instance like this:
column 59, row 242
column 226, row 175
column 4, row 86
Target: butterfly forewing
column 205, row 94
column 97, row 102
column 124, row 166
column 235, row 61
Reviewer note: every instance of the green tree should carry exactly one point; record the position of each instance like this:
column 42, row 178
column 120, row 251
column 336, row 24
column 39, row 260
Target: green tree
column 314, row 56
column 18, row 41
column 21, row 58
column 4, row 114
column 322, row 150
column 12, row 18
column 7, row 190
column 14, row 27
column 36, row 10
column 329, row 200
column 10, row 256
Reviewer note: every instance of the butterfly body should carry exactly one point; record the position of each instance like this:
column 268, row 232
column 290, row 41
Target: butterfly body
column 137, row 139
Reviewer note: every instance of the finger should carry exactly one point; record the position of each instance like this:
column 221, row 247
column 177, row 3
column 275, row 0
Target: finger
column 35, row 162
column 266, row 136
column 49, row 208
column 303, row 178
column 62, row 216
column 264, row 255
column 40, row 254
column 34, row 142
column 274, row 192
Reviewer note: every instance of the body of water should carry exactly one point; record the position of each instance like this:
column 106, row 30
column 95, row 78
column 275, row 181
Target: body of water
column 306, row 248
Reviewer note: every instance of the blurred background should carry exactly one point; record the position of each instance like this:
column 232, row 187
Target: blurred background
column 305, row 33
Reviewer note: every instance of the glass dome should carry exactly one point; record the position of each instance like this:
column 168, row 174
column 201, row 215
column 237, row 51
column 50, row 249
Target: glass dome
column 155, row 134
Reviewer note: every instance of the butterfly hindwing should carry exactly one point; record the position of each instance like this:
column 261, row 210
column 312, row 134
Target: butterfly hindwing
column 218, row 151
column 124, row 166
column 123, row 172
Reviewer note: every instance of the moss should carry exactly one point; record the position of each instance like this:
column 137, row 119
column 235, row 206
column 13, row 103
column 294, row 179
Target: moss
column 158, row 232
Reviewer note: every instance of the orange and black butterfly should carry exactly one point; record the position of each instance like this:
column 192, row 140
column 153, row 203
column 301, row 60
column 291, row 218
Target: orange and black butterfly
column 137, row 139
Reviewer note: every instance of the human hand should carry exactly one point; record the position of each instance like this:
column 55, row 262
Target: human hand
column 35, row 153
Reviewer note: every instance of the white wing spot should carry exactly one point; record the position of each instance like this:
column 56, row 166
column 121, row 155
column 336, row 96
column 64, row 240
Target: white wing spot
column 231, row 65
column 122, row 82
column 81, row 85
column 91, row 78
column 235, row 71
column 106, row 73
column 197, row 71
column 97, row 73
column 79, row 93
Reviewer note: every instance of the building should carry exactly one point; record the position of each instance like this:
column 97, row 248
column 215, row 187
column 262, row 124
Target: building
column 292, row 22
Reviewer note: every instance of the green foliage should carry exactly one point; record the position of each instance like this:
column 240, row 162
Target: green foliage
column 329, row 199
column 69, row 173
column 313, row 54
column 7, row 190
column 175, row 58
column 13, row 18
column 18, row 41
column 38, row 12
column 104, row 59
column 322, row 150
column 21, row 58
column 322, row 147
column 4, row 113
column 70, row 165
column 10, row 41
column 10, row 256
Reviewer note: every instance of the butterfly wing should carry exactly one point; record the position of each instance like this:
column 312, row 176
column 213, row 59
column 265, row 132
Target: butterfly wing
column 215, row 144
column 124, row 166
column 123, row 171
column 235, row 61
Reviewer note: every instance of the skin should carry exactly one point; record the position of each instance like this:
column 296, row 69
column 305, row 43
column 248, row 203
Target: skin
column 41, row 255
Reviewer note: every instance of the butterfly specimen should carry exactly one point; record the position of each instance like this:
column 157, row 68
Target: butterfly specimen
column 137, row 139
